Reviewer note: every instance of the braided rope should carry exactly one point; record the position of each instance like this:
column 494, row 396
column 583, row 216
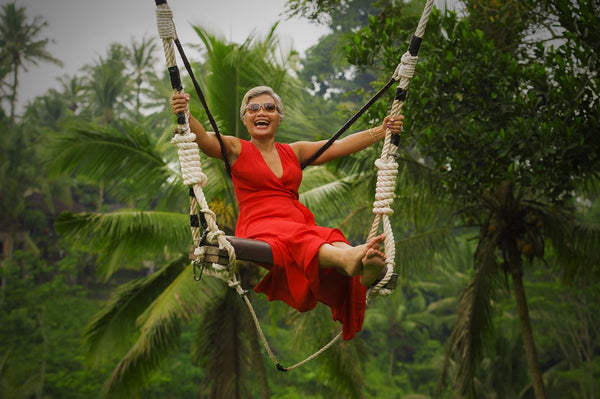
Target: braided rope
column 387, row 165
column 420, row 31
column 189, row 157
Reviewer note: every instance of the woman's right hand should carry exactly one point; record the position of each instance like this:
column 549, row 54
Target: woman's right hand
column 180, row 103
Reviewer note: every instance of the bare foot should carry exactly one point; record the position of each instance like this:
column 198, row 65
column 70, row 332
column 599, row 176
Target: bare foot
column 365, row 260
column 373, row 261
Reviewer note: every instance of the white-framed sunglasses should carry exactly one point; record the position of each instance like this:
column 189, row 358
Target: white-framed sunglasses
column 255, row 107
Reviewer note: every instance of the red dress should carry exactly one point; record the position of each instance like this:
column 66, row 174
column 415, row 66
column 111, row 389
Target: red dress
column 270, row 212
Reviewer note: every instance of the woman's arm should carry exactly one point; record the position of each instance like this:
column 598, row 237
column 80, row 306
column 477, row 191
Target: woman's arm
column 347, row 145
column 207, row 141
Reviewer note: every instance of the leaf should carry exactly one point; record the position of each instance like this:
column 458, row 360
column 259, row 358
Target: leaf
column 126, row 237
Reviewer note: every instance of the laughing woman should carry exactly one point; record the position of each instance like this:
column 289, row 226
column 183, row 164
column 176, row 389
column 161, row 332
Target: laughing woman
column 310, row 263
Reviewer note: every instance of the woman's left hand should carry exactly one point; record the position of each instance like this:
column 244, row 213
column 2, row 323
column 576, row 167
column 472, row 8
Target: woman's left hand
column 393, row 123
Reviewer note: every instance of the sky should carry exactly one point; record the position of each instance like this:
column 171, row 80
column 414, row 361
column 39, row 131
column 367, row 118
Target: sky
column 82, row 30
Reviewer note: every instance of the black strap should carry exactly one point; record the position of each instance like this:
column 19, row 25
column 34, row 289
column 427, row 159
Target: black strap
column 348, row 123
column 213, row 123
column 413, row 49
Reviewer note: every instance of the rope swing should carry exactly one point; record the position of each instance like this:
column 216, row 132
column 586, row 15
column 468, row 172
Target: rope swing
column 215, row 254
column 387, row 165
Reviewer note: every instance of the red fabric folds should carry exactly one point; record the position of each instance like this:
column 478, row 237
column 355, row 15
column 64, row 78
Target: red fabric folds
column 270, row 211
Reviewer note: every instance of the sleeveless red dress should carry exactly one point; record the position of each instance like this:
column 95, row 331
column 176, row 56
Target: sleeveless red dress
column 270, row 212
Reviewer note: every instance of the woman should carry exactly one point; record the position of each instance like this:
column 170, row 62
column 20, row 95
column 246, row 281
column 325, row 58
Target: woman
column 310, row 263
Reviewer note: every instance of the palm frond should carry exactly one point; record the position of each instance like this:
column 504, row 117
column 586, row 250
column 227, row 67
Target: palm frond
column 123, row 159
column 125, row 237
column 343, row 370
column 473, row 321
column 222, row 346
column 108, row 332
column 307, row 332
column 419, row 249
column 329, row 196
column 576, row 245
column 160, row 327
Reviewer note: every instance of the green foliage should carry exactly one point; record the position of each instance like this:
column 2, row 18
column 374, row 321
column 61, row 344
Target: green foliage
column 41, row 341
column 513, row 114
column 101, row 153
column 125, row 237
column 484, row 108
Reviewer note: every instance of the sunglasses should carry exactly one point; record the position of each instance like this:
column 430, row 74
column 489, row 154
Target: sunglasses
column 255, row 107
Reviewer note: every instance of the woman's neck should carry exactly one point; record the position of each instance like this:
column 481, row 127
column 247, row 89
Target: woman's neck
column 266, row 145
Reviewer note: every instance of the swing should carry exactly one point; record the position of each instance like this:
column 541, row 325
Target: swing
column 215, row 253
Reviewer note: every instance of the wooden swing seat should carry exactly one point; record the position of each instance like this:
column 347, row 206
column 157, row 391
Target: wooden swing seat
column 255, row 251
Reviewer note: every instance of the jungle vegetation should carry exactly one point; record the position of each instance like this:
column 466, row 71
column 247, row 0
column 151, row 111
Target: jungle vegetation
column 496, row 215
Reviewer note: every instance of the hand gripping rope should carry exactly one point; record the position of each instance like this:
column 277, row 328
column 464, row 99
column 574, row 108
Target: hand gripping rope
column 203, row 221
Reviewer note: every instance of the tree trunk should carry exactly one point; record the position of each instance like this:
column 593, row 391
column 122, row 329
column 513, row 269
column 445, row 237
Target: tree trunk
column 525, row 321
column 13, row 95
column 258, row 362
column 7, row 253
column 40, row 390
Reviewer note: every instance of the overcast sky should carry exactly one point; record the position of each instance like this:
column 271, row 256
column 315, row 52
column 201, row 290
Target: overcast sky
column 82, row 30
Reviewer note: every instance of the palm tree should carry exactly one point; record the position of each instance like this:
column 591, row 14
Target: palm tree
column 17, row 176
column 488, row 142
column 143, row 60
column 20, row 46
column 108, row 84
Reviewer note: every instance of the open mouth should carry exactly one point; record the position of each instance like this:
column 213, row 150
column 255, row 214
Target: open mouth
column 262, row 123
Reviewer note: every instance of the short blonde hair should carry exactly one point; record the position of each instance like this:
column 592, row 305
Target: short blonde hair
column 258, row 91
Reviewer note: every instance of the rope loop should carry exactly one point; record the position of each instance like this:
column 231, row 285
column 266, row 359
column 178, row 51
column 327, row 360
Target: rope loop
column 378, row 289
column 213, row 236
column 386, row 185
column 189, row 159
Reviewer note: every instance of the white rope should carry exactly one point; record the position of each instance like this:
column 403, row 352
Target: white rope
column 387, row 166
column 420, row 31
column 164, row 22
column 189, row 158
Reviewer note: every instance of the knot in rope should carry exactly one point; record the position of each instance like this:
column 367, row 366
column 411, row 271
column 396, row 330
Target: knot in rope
column 406, row 67
column 189, row 159
column 199, row 253
column 213, row 236
column 386, row 184
column 164, row 23
column 235, row 284
column 224, row 243
column 379, row 288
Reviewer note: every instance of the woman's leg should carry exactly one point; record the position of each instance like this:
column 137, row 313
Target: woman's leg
column 365, row 260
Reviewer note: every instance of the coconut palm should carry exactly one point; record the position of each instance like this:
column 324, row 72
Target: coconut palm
column 20, row 46
column 490, row 144
column 143, row 61
column 108, row 85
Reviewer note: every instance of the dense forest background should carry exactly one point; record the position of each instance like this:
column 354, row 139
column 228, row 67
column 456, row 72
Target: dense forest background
column 496, row 215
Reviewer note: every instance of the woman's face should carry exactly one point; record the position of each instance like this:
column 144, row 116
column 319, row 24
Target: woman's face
column 261, row 118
